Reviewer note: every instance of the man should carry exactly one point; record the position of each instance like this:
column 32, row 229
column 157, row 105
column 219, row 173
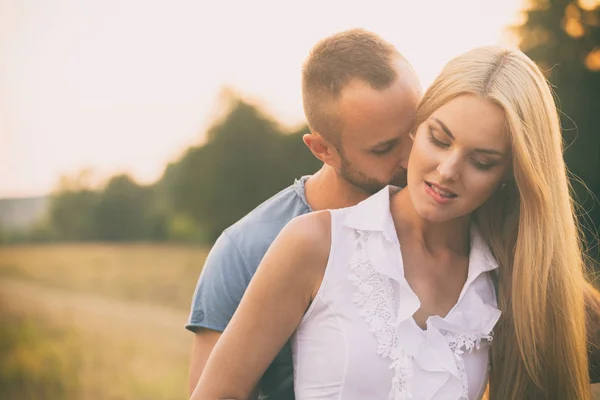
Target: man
column 360, row 96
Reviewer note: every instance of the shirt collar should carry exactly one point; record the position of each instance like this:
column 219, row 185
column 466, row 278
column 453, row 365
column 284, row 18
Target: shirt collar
column 481, row 258
column 300, row 189
column 373, row 214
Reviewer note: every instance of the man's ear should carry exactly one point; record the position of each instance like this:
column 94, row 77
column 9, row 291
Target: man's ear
column 322, row 148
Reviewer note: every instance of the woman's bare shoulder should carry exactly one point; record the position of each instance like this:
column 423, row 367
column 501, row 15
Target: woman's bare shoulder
column 312, row 230
column 306, row 240
column 312, row 226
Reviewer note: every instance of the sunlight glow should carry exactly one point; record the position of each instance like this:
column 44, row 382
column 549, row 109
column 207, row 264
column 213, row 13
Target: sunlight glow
column 127, row 86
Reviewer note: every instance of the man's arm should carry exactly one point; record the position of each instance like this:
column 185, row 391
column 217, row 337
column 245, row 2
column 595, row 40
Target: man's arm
column 271, row 309
column 220, row 288
column 202, row 345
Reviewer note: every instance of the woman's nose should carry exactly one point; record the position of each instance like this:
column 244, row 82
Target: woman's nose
column 448, row 168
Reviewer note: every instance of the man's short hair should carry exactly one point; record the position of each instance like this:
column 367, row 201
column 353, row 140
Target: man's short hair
column 336, row 61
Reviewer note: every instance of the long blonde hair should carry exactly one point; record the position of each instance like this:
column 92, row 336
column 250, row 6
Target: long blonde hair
column 539, row 346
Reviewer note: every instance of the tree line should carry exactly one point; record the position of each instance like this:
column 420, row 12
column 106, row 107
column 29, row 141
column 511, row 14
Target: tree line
column 246, row 158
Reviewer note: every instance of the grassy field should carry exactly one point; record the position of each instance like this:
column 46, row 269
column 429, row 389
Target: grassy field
column 95, row 321
column 43, row 358
column 154, row 273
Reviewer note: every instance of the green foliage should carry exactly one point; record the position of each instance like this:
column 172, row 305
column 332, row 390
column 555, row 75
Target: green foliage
column 563, row 37
column 124, row 212
column 183, row 228
column 71, row 214
column 246, row 160
column 42, row 232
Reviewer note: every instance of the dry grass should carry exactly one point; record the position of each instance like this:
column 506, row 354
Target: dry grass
column 96, row 321
column 45, row 358
column 155, row 273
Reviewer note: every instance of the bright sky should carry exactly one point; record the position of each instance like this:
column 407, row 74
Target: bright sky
column 126, row 86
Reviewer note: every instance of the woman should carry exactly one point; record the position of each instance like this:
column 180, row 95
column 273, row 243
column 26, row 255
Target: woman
column 394, row 298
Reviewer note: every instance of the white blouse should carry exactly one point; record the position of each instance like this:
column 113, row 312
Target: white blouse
column 358, row 340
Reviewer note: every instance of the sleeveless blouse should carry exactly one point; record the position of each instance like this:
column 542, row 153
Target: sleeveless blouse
column 358, row 340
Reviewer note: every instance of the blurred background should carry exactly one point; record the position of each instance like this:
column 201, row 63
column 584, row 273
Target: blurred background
column 133, row 132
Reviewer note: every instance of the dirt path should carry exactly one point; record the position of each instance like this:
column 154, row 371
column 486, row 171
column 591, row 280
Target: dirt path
column 117, row 318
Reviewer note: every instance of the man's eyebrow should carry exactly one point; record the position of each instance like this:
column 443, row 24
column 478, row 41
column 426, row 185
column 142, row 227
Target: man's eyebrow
column 444, row 127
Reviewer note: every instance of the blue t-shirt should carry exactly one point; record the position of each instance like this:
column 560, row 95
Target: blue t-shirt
column 230, row 265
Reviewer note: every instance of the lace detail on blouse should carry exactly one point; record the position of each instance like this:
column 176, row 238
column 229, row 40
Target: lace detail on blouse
column 459, row 343
column 375, row 296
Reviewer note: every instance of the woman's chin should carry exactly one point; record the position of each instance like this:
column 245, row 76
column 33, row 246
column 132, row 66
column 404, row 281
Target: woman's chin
column 433, row 215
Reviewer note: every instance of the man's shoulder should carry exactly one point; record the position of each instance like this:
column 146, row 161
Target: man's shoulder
column 254, row 233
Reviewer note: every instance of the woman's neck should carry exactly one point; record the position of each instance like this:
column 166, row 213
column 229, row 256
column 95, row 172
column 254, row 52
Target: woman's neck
column 436, row 237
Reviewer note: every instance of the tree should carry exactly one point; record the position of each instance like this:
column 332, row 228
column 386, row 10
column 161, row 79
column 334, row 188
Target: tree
column 124, row 211
column 248, row 158
column 71, row 214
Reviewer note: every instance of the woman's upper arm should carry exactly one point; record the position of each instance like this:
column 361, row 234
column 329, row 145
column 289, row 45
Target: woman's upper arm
column 271, row 309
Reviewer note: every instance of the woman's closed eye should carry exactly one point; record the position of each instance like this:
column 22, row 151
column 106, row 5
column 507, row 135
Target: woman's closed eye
column 437, row 142
column 483, row 165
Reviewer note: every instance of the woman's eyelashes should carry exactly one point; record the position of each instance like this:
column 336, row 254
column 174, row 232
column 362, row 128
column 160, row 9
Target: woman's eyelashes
column 482, row 165
column 437, row 142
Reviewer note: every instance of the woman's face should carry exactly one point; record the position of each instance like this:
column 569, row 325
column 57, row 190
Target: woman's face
column 460, row 156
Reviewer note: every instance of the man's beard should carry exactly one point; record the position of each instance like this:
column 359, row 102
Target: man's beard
column 366, row 184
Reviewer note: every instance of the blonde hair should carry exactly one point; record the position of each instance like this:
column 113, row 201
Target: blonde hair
column 336, row 61
column 539, row 346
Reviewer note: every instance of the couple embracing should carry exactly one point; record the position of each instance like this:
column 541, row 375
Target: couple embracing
column 435, row 255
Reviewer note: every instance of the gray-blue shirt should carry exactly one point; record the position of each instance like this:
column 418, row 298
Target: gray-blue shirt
column 230, row 265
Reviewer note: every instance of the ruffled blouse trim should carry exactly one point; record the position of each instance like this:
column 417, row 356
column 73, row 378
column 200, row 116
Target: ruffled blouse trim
column 438, row 349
